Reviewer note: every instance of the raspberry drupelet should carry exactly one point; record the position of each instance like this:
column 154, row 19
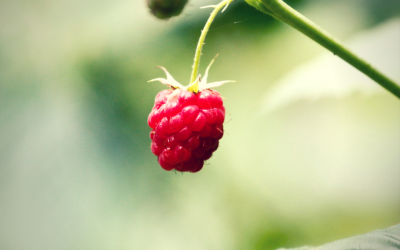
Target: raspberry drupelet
column 187, row 123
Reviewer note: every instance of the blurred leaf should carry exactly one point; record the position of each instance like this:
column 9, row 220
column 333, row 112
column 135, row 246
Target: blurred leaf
column 329, row 76
column 388, row 239
column 118, row 98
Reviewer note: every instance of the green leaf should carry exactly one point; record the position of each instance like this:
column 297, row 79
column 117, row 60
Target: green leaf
column 388, row 239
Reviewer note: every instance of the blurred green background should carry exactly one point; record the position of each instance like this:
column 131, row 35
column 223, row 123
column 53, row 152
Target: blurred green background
column 76, row 171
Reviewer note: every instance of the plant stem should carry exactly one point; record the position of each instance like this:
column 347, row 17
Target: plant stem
column 200, row 44
column 283, row 12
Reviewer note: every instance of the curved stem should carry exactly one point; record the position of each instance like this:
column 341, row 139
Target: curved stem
column 283, row 12
column 200, row 44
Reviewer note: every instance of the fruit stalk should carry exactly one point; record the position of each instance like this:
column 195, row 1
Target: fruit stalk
column 200, row 44
column 281, row 11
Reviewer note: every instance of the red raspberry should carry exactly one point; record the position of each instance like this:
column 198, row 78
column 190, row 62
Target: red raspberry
column 186, row 128
column 186, row 123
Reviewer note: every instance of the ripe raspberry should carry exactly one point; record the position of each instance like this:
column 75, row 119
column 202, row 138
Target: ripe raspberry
column 186, row 128
column 187, row 124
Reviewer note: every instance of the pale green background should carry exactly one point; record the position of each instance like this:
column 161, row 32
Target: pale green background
column 76, row 171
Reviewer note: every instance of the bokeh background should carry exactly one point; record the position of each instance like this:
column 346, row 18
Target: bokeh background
column 76, row 172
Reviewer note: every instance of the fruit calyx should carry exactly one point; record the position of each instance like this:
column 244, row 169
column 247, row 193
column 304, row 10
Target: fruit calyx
column 197, row 86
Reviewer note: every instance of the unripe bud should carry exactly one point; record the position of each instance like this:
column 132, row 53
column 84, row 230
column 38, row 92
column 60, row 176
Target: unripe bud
column 164, row 9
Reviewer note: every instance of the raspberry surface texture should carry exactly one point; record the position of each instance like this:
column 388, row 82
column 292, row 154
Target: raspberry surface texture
column 186, row 128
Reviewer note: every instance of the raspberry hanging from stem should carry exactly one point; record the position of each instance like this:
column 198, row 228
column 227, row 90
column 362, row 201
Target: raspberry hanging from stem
column 187, row 121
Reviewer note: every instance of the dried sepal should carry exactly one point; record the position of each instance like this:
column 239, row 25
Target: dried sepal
column 170, row 81
column 198, row 85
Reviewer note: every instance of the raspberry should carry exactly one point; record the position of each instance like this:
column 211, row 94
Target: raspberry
column 187, row 123
column 186, row 128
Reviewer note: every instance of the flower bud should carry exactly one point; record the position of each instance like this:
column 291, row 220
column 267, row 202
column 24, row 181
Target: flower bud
column 164, row 9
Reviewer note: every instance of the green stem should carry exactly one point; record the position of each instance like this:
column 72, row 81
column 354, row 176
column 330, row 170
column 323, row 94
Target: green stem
column 200, row 44
column 283, row 12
